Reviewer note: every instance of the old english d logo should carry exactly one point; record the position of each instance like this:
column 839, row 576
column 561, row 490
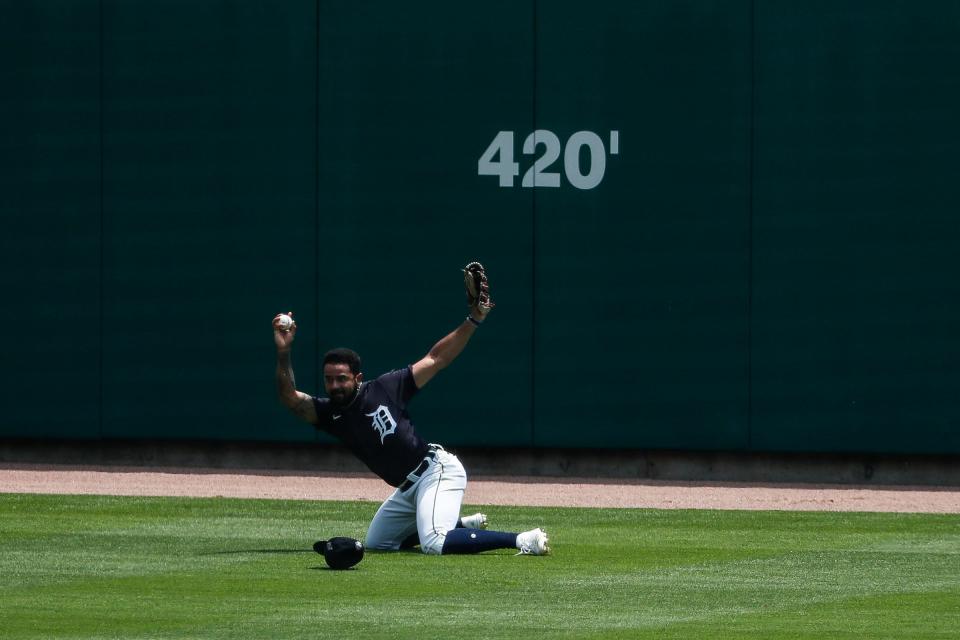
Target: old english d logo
column 383, row 422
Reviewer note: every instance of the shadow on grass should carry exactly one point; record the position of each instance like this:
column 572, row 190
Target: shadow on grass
column 237, row 551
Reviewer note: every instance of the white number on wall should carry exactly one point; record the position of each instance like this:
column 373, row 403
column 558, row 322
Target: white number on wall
column 535, row 175
column 497, row 160
column 571, row 159
column 504, row 167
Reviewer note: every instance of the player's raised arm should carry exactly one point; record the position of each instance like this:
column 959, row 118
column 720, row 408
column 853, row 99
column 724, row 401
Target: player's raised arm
column 451, row 345
column 299, row 403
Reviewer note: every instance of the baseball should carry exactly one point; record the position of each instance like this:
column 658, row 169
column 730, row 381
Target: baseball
column 285, row 322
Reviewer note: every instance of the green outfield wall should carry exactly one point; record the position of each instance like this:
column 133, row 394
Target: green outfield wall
column 709, row 225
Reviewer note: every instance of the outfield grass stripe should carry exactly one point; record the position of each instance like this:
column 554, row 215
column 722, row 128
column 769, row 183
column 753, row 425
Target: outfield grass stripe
column 106, row 567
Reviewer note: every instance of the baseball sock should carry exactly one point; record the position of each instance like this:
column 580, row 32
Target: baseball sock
column 477, row 540
column 413, row 540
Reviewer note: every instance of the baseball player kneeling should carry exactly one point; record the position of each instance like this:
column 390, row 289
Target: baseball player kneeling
column 371, row 419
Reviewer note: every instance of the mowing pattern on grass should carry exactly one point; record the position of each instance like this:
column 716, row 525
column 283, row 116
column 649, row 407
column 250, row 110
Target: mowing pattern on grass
column 109, row 567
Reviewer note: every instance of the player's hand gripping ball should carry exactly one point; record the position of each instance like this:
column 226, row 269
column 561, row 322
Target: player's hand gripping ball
column 284, row 322
column 478, row 289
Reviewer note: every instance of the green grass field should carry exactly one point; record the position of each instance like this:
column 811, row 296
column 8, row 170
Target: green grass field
column 105, row 567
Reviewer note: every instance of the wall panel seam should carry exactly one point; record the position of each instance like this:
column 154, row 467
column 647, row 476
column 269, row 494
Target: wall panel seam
column 751, row 175
column 100, row 274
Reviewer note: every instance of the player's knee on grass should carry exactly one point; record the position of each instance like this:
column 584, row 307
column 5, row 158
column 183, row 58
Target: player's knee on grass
column 380, row 543
column 433, row 544
column 383, row 546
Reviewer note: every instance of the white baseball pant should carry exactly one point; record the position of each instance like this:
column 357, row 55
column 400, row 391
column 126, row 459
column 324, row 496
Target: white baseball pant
column 430, row 508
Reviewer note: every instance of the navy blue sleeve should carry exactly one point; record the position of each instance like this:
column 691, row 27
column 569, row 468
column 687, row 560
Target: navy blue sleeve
column 399, row 385
column 323, row 409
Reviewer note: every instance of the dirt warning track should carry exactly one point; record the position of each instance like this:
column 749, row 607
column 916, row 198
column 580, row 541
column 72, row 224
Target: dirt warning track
column 525, row 491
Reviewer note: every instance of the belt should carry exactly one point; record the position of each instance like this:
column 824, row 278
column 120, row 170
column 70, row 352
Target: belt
column 414, row 475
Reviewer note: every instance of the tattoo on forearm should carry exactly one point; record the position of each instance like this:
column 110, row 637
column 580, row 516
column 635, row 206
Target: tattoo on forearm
column 300, row 404
column 286, row 383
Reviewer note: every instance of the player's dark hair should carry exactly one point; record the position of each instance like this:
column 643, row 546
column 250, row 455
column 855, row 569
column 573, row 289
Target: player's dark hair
column 342, row 355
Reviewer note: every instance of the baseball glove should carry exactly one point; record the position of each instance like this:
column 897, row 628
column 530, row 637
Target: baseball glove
column 478, row 290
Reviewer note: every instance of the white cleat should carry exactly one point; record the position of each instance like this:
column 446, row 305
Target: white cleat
column 533, row 543
column 476, row 521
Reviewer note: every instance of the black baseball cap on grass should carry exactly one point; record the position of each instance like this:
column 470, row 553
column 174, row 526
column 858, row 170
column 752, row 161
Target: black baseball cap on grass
column 340, row 552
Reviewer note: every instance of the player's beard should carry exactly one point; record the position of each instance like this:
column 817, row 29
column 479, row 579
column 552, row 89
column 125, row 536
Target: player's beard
column 343, row 397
